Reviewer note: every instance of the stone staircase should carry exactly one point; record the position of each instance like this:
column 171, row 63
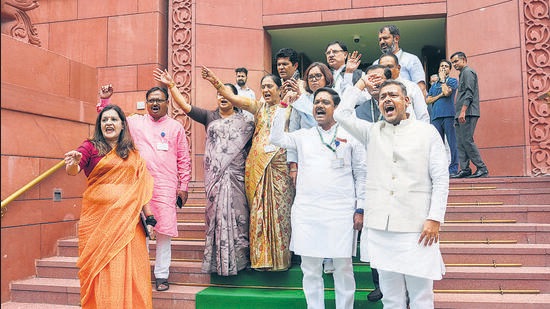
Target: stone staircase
column 495, row 243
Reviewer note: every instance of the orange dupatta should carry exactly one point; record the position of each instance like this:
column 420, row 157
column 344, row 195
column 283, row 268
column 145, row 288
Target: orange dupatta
column 113, row 258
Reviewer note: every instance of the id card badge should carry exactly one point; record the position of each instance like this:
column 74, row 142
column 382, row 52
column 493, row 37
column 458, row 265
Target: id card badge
column 269, row 148
column 338, row 163
column 162, row 146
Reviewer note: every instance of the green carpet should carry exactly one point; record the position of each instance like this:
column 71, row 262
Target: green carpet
column 275, row 290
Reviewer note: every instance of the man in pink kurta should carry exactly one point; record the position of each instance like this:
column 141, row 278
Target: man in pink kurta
column 162, row 142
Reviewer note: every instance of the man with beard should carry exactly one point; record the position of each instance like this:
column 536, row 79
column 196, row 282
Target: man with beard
column 241, row 75
column 332, row 165
column 162, row 142
column 411, row 67
column 406, row 196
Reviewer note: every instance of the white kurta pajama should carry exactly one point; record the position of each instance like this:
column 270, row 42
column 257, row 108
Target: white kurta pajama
column 325, row 202
column 407, row 183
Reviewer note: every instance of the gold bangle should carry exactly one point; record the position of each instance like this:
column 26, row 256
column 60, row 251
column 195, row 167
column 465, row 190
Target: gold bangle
column 293, row 169
column 218, row 85
column 171, row 85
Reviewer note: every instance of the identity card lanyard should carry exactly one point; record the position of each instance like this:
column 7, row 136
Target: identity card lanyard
column 336, row 162
column 163, row 145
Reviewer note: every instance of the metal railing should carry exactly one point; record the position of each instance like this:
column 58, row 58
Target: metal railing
column 31, row 184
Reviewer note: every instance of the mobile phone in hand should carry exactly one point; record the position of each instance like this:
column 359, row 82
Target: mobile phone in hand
column 179, row 202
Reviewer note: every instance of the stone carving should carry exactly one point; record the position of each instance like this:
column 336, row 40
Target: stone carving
column 537, row 46
column 16, row 22
column 179, row 55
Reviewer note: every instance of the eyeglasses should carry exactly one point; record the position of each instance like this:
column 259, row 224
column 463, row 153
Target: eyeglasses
column 158, row 101
column 333, row 52
column 316, row 76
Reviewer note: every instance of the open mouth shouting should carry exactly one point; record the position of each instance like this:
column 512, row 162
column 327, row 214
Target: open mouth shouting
column 389, row 109
column 320, row 113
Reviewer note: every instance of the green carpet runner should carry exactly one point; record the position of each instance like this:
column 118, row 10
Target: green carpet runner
column 276, row 290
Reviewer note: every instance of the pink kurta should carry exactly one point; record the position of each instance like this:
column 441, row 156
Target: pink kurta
column 164, row 147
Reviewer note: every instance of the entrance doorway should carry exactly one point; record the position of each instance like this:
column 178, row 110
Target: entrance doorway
column 422, row 37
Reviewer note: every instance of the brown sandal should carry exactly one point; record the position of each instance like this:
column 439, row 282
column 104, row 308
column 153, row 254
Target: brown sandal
column 162, row 284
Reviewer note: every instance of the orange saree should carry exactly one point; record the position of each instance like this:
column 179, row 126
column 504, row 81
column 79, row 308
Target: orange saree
column 113, row 258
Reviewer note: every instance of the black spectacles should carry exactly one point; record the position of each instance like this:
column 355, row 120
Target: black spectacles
column 335, row 52
column 152, row 101
column 316, row 76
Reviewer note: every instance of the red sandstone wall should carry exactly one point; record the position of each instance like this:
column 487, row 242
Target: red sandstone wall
column 47, row 109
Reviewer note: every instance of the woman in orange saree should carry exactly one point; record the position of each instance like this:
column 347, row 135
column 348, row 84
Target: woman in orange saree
column 113, row 259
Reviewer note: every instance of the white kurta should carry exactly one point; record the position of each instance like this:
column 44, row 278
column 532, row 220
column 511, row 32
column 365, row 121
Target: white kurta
column 322, row 213
column 391, row 244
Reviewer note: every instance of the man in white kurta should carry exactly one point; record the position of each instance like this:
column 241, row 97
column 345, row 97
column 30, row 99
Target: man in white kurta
column 406, row 196
column 329, row 185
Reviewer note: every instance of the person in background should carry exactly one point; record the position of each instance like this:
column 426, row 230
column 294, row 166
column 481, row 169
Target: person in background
column 406, row 196
column 418, row 107
column 337, row 58
column 331, row 182
column 411, row 67
column 113, row 260
column 241, row 75
column 287, row 68
column 441, row 96
column 269, row 188
column 162, row 142
column 467, row 112
column 228, row 135
column 433, row 79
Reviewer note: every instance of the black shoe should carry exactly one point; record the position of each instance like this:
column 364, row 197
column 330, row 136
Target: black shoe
column 375, row 295
column 481, row 172
column 462, row 174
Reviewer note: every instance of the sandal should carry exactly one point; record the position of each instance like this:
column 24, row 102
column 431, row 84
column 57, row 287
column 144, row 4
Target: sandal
column 162, row 284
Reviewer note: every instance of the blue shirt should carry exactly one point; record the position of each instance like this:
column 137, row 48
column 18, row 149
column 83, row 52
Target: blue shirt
column 444, row 106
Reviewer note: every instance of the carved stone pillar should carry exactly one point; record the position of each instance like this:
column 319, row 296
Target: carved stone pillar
column 16, row 22
column 537, row 48
column 179, row 55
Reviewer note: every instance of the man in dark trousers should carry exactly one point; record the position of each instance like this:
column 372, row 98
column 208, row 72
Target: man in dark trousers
column 467, row 115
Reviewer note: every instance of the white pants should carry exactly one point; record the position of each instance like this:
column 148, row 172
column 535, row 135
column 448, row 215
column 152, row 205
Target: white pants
column 163, row 257
column 314, row 287
column 395, row 285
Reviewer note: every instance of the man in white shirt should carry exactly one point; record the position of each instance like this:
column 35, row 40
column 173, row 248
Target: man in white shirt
column 406, row 196
column 241, row 75
column 337, row 55
column 418, row 100
column 411, row 67
column 329, row 186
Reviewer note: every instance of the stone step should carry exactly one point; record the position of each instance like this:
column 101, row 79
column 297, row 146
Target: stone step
column 491, row 301
column 519, row 213
column 67, row 292
column 65, row 268
column 194, row 212
column 13, row 305
column 499, row 255
column 530, row 233
column 495, row 280
column 503, row 182
column 538, row 196
column 181, row 249
column 191, row 230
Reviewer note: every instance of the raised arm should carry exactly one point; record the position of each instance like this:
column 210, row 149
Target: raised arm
column 165, row 78
column 344, row 114
column 277, row 134
column 239, row 101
